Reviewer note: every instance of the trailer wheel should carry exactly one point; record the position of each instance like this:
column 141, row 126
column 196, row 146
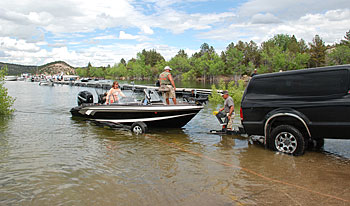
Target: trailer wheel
column 139, row 128
column 288, row 139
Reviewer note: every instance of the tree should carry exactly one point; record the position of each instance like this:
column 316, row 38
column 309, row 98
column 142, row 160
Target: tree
column 81, row 72
column 340, row 55
column 6, row 101
column 317, row 52
column 283, row 52
column 216, row 66
column 122, row 61
column 180, row 63
column 347, row 39
column 151, row 57
column 181, row 53
column 234, row 61
column 97, row 72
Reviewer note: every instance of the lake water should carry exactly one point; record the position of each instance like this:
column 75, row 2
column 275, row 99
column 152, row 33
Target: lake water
column 49, row 158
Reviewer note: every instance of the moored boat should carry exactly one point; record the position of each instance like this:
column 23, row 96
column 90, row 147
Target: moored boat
column 46, row 83
column 10, row 78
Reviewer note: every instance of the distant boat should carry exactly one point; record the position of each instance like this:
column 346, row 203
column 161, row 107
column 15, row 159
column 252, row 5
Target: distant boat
column 10, row 78
column 46, row 83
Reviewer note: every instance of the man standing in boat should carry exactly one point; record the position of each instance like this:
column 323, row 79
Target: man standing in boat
column 167, row 85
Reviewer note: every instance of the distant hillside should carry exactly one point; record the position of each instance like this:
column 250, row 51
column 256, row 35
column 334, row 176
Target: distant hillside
column 57, row 67
column 16, row 69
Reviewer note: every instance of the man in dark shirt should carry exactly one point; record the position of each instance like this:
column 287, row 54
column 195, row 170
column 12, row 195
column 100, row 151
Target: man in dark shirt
column 255, row 72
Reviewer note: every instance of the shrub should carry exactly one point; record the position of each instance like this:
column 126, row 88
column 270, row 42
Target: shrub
column 5, row 101
column 235, row 91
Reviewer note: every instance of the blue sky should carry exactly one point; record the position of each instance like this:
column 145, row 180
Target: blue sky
column 35, row 32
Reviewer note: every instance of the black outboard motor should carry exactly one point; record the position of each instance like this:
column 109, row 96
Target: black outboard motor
column 85, row 97
column 102, row 98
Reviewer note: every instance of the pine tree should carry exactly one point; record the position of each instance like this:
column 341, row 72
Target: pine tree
column 317, row 52
column 346, row 42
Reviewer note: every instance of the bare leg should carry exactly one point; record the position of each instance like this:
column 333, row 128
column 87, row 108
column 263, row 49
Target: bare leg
column 167, row 101
column 174, row 100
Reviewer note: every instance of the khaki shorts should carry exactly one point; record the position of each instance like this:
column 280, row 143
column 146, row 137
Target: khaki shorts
column 169, row 94
column 230, row 122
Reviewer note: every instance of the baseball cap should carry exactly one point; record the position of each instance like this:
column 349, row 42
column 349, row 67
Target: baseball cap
column 224, row 92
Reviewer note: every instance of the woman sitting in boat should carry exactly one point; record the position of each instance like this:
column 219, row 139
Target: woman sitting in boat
column 114, row 92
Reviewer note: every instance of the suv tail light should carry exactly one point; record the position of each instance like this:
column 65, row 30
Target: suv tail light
column 241, row 114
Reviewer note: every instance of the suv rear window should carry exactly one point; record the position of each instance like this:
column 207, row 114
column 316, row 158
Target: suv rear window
column 320, row 83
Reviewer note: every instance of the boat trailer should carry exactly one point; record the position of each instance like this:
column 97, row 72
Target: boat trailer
column 236, row 129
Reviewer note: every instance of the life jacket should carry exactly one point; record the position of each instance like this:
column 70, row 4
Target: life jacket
column 163, row 78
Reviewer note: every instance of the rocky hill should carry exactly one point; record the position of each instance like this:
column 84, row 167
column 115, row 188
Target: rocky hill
column 56, row 68
column 51, row 68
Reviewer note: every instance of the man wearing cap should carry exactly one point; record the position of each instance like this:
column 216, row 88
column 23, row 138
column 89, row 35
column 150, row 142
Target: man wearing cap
column 228, row 108
column 166, row 80
column 254, row 73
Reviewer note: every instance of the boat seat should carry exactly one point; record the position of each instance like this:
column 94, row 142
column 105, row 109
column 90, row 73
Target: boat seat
column 152, row 97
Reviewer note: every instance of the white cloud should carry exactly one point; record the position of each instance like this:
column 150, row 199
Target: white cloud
column 147, row 30
column 29, row 27
column 9, row 44
column 289, row 9
column 105, row 37
column 330, row 28
column 265, row 19
column 123, row 35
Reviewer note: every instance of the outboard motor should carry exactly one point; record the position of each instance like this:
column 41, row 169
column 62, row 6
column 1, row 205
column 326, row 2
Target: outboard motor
column 85, row 97
column 102, row 98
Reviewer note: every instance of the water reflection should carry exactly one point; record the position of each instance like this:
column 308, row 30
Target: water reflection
column 48, row 157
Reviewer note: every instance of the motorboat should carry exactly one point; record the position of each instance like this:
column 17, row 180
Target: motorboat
column 10, row 78
column 46, row 83
column 150, row 112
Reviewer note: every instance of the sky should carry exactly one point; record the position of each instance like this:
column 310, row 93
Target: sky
column 36, row 32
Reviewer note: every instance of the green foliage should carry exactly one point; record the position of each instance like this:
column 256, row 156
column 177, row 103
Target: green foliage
column 190, row 75
column 346, row 42
column 81, row 72
column 97, row 72
column 215, row 97
column 6, row 101
column 234, row 61
column 282, row 52
column 180, row 63
column 340, row 55
column 235, row 91
column 151, row 57
column 317, row 52
column 16, row 69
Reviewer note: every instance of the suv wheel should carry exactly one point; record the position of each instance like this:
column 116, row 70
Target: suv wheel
column 287, row 139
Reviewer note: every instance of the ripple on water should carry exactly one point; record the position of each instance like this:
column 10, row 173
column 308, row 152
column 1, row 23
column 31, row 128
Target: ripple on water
column 48, row 157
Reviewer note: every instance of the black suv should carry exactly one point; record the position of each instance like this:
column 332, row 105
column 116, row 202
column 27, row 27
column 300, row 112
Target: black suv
column 295, row 108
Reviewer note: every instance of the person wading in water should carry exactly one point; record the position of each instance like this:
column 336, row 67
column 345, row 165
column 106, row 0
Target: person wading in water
column 166, row 81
